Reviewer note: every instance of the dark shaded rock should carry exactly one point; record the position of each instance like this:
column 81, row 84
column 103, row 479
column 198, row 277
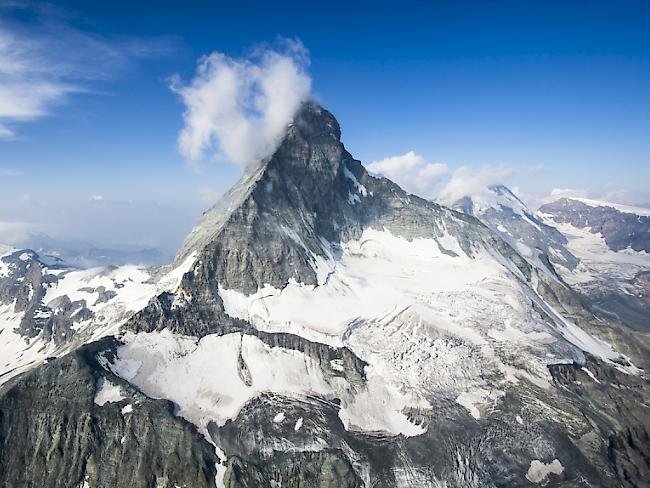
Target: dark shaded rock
column 53, row 435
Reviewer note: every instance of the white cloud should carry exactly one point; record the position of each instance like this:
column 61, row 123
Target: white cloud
column 96, row 198
column 45, row 60
column 536, row 169
column 411, row 172
column 238, row 109
column 558, row 193
column 471, row 181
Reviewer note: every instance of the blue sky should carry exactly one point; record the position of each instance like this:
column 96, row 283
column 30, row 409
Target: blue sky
column 543, row 95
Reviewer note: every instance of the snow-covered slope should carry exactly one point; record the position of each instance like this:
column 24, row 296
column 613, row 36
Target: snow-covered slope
column 48, row 310
column 613, row 244
column 629, row 209
column 500, row 209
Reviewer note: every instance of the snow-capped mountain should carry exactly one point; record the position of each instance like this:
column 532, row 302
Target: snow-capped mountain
column 322, row 327
column 612, row 242
column 47, row 310
column 500, row 209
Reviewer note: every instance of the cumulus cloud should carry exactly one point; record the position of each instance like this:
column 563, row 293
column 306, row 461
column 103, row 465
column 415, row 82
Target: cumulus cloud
column 411, row 172
column 558, row 193
column 45, row 60
column 471, row 181
column 237, row 109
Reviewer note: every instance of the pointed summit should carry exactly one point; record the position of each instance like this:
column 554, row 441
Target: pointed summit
column 290, row 214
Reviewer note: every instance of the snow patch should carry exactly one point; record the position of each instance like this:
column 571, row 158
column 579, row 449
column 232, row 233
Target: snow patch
column 107, row 392
column 350, row 176
column 538, row 471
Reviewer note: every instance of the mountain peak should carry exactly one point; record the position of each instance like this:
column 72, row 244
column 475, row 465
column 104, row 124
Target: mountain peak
column 314, row 122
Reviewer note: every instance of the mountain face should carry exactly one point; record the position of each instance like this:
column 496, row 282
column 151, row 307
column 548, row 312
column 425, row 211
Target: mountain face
column 321, row 327
column 613, row 244
column 505, row 213
column 621, row 227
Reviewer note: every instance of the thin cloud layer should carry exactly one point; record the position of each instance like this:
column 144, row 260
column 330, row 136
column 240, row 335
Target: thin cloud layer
column 411, row 172
column 13, row 232
column 470, row 181
column 44, row 61
column 237, row 109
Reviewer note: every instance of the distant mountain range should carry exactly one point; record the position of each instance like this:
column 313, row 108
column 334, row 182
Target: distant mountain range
column 321, row 327
column 601, row 249
column 82, row 254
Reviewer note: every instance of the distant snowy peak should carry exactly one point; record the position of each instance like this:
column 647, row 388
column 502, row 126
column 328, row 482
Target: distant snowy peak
column 48, row 309
column 630, row 209
column 493, row 198
column 82, row 254
column 500, row 209
column 622, row 227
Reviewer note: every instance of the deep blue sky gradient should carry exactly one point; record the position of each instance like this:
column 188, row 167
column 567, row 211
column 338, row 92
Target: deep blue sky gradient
column 563, row 85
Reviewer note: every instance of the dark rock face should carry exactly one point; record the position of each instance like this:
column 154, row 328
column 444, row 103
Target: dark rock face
column 323, row 469
column 53, row 434
column 616, row 405
column 631, row 309
column 619, row 229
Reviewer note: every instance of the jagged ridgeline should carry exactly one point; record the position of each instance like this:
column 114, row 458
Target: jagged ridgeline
column 320, row 327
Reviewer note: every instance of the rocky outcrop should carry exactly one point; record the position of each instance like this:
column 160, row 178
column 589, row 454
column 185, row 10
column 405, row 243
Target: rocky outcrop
column 288, row 213
column 53, row 434
column 616, row 406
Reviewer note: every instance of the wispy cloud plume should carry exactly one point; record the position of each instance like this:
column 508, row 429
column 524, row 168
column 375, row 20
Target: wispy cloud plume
column 411, row 172
column 471, row 181
column 46, row 59
column 237, row 109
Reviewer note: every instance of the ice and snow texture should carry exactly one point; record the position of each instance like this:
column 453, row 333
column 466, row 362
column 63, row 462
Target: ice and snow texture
column 107, row 392
column 599, row 265
column 133, row 288
column 204, row 378
column 425, row 321
column 621, row 208
column 538, row 471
